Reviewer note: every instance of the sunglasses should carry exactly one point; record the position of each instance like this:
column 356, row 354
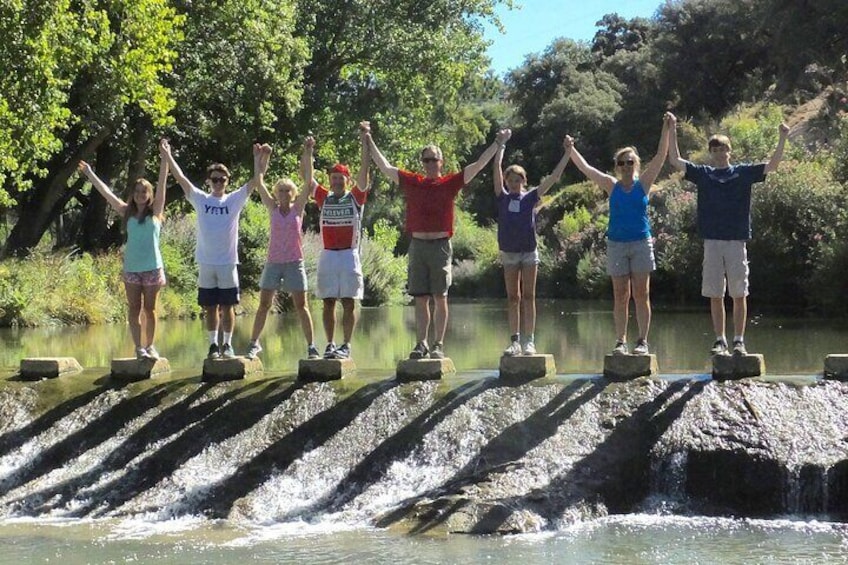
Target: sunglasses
column 429, row 159
column 217, row 180
column 630, row 162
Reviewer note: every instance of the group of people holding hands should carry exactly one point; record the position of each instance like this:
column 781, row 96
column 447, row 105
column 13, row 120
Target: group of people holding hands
column 724, row 222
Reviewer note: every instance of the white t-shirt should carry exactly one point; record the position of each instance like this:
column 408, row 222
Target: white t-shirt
column 217, row 225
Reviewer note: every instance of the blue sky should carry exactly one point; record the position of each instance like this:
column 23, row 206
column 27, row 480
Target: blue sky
column 533, row 26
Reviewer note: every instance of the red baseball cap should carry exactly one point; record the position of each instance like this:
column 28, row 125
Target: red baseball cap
column 339, row 168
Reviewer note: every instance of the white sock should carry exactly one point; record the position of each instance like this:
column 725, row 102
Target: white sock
column 738, row 338
column 213, row 337
column 228, row 337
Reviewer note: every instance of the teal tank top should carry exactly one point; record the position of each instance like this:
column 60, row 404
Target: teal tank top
column 142, row 250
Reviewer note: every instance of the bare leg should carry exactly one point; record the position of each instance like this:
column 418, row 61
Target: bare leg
column 211, row 313
column 349, row 316
column 328, row 316
column 422, row 317
column 513, row 298
column 149, row 315
column 740, row 314
column 641, row 285
column 528, row 298
column 228, row 317
column 134, row 292
column 718, row 315
column 441, row 317
column 302, row 309
column 621, row 305
column 266, row 300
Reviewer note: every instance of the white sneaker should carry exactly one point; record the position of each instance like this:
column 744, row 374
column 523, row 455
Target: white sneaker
column 529, row 348
column 512, row 349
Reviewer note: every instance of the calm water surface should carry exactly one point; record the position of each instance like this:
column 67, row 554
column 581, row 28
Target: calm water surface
column 578, row 334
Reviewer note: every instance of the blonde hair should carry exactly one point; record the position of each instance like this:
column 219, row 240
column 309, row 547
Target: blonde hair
column 516, row 169
column 624, row 151
column 286, row 183
column 718, row 140
column 132, row 208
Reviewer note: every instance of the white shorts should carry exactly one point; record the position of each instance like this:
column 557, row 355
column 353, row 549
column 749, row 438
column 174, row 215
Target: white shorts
column 516, row 260
column 217, row 276
column 340, row 274
column 724, row 260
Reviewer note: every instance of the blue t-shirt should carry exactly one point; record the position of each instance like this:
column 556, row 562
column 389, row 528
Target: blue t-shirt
column 517, row 221
column 628, row 213
column 724, row 199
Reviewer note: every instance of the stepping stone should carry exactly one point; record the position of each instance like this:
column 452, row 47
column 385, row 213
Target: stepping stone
column 130, row 369
column 836, row 367
column 629, row 367
column 523, row 368
column 36, row 368
column 410, row 370
column 321, row 370
column 218, row 370
column 734, row 367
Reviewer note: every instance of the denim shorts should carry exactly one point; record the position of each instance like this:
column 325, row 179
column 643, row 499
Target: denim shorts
column 627, row 257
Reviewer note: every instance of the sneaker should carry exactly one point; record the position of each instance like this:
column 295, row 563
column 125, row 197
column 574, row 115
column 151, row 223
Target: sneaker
column 329, row 350
column 719, row 347
column 739, row 348
column 420, row 351
column 214, row 352
column 641, row 347
column 140, row 353
column 513, row 349
column 227, row 351
column 253, row 350
column 438, row 351
column 152, row 353
column 342, row 352
column 620, row 348
column 529, row 348
column 312, row 352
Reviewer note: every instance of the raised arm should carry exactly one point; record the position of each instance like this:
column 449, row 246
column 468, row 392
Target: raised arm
column 380, row 160
column 603, row 180
column 556, row 174
column 261, row 157
column 114, row 201
column 365, row 161
column 307, row 167
column 652, row 170
column 673, row 149
column 497, row 171
column 471, row 171
column 176, row 171
column 783, row 133
column 161, row 185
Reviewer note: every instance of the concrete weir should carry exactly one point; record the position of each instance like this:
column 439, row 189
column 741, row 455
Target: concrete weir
column 629, row 367
column 523, row 368
column 836, row 367
column 733, row 367
column 130, row 369
column 321, row 370
column 35, row 368
column 410, row 370
column 218, row 370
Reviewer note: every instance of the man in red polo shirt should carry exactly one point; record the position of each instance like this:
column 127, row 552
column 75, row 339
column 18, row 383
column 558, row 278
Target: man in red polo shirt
column 429, row 221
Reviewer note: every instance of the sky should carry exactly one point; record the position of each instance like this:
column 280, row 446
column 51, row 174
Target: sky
column 533, row 27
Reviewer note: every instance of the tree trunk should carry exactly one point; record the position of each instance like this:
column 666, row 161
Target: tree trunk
column 46, row 199
column 96, row 233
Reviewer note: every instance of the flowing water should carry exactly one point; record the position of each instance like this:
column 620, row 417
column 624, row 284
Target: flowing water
column 266, row 471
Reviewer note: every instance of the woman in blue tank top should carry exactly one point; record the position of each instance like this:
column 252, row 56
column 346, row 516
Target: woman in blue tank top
column 630, row 248
column 143, row 272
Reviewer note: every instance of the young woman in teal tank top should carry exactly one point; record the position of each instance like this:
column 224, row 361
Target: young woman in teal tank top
column 144, row 273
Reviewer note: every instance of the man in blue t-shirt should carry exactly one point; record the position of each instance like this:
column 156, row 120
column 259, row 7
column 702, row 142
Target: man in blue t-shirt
column 724, row 222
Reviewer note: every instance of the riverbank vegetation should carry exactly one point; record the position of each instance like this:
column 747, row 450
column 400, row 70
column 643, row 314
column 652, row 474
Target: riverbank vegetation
column 104, row 82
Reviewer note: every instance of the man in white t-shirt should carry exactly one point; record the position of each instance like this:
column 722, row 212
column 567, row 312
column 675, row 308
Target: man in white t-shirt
column 217, row 249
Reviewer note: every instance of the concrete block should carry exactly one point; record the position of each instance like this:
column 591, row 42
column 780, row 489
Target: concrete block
column 320, row 370
column 836, row 367
column 36, row 368
column 523, row 368
column 629, row 367
column 218, row 370
column 130, row 369
column 410, row 370
column 733, row 367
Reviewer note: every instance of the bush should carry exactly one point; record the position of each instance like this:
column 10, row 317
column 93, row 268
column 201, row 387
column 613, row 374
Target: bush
column 385, row 274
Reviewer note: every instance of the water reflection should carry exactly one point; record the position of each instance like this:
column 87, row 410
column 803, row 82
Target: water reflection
column 577, row 333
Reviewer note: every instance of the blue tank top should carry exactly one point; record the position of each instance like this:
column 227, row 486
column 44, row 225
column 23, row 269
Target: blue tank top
column 628, row 214
column 142, row 250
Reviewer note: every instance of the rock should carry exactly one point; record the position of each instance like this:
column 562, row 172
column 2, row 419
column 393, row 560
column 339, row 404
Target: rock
column 218, row 370
column 523, row 368
column 35, row 368
column 319, row 370
column 732, row 367
column 131, row 369
column 836, row 367
column 410, row 370
column 628, row 367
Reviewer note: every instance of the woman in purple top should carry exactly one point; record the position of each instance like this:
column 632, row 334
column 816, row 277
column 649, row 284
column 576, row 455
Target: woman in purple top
column 517, row 242
column 630, row 250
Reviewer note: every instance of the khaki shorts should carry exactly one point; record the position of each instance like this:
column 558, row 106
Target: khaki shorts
column 627, row 257
column 429, row 268
column 725, row 261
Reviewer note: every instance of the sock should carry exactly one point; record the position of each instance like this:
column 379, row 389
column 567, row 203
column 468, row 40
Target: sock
column 721, row 338
column 515, row 337
column 213, row 337
column 532, row 338
column 228, row 337
column 738, row 338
